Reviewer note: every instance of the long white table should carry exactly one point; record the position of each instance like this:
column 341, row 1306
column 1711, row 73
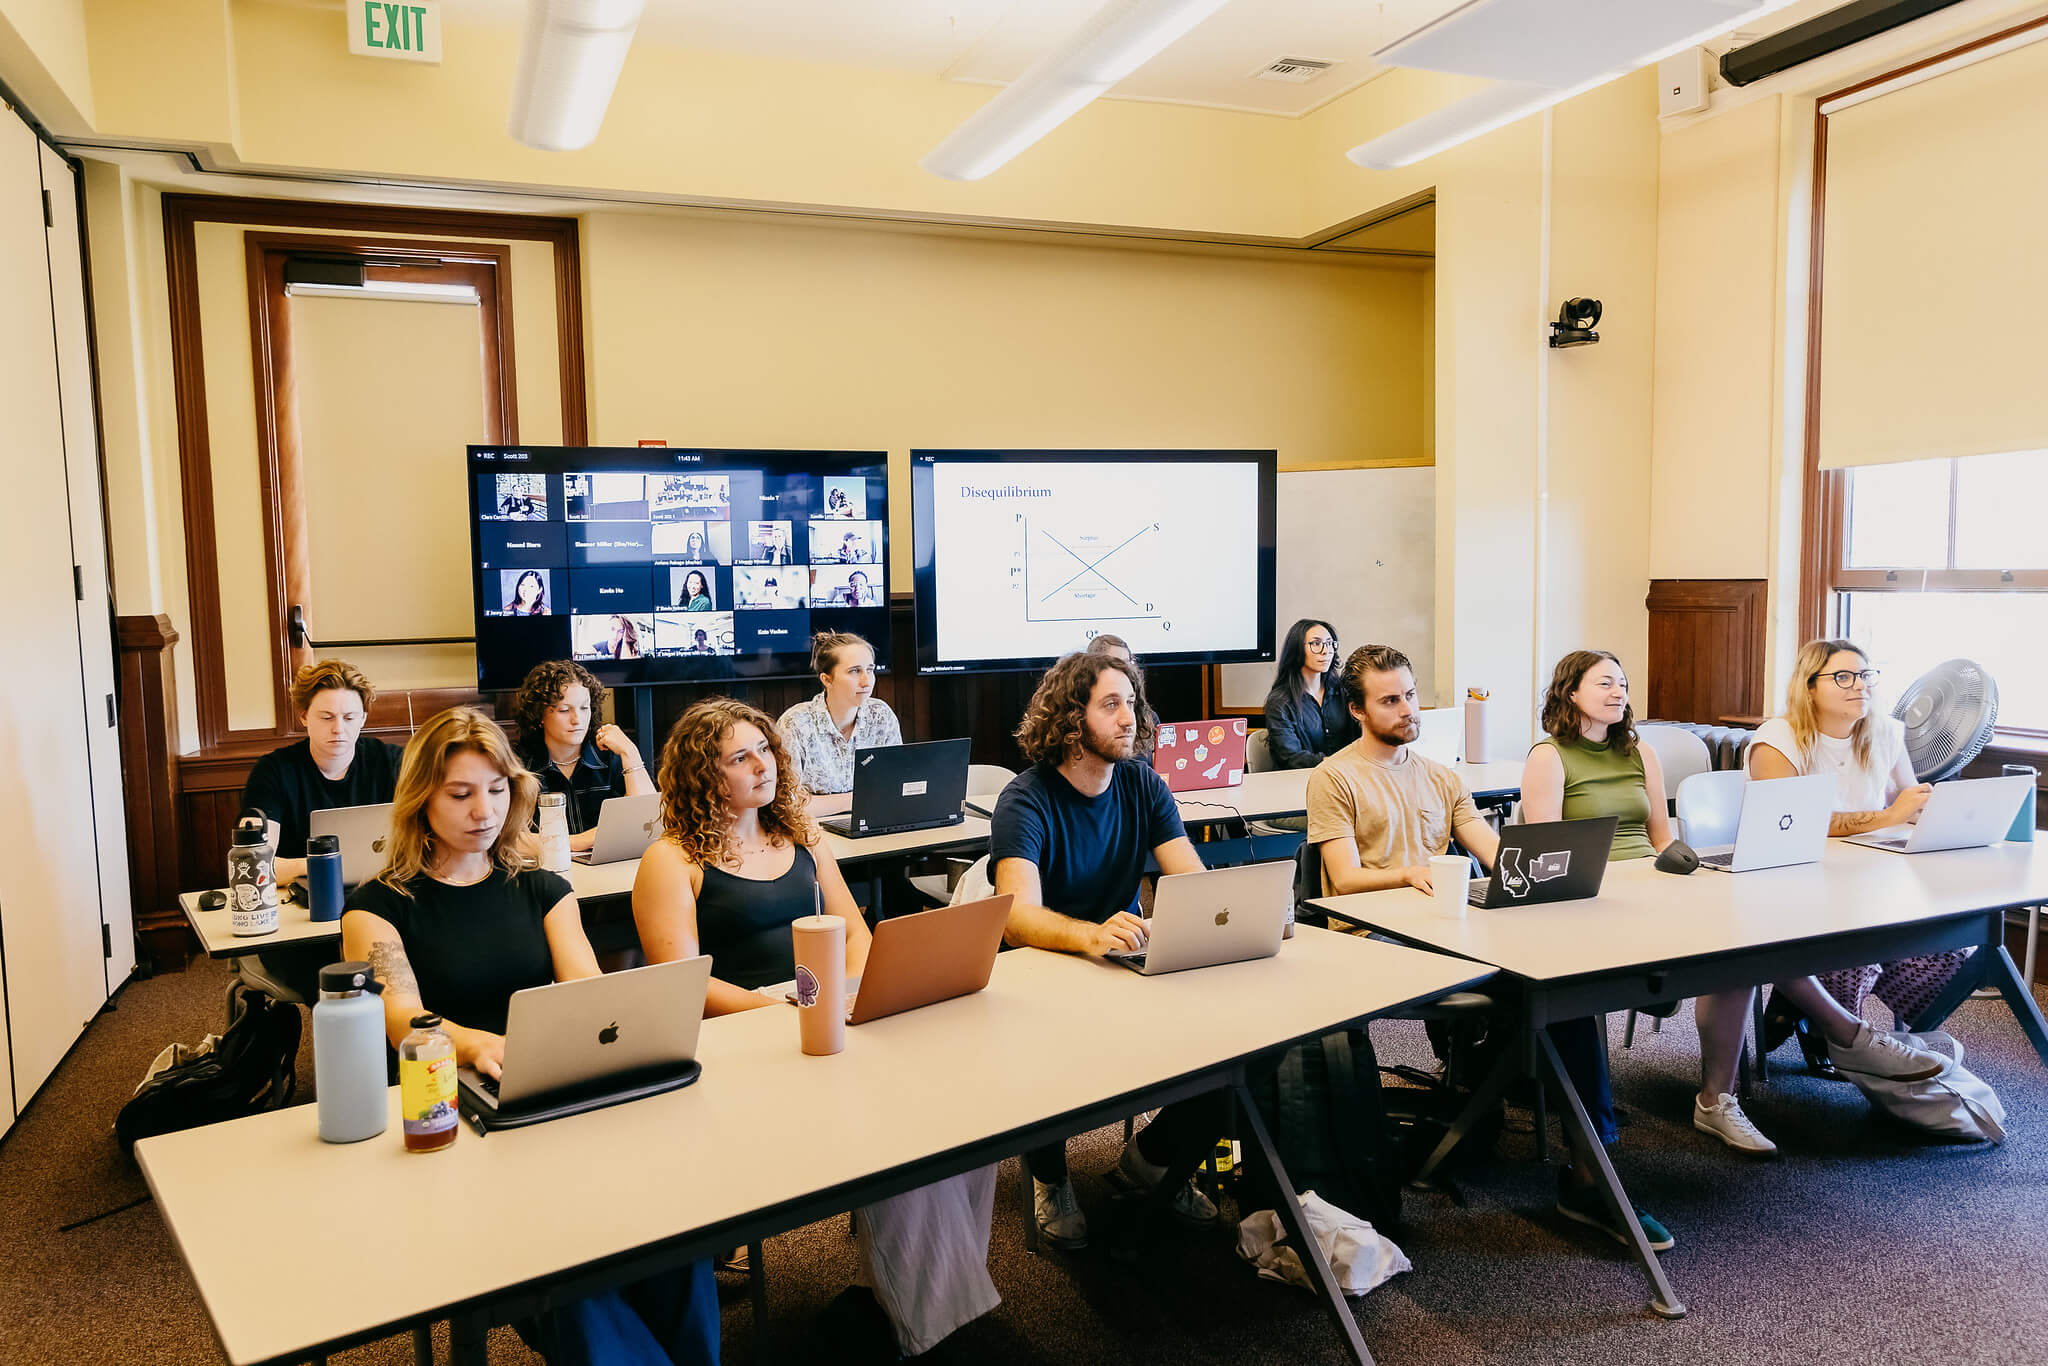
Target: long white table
column 1284, row 792
column 295, row 924
column 1651, row 937
column 555, row 1211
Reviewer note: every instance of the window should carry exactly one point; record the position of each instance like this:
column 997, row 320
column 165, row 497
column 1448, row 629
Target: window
column 1941, row 559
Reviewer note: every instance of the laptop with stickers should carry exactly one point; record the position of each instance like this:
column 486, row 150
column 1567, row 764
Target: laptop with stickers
column 1546, row 862
column 1192, row 755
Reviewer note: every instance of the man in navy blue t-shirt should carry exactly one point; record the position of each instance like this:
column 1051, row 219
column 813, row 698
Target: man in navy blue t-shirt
column 1068, row 844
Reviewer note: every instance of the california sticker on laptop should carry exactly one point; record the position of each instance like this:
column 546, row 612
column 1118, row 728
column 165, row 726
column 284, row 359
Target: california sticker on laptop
column 1192, row 755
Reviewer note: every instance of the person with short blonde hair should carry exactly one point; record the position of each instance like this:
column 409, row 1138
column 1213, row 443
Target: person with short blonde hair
column 459, row 919
column 335, row 765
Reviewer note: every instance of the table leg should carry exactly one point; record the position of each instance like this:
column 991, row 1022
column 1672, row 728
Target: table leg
column 468, row 1339
column 1959, row 987
column 423, row 1345
column 2005, row 975
column 1505, row 1068
column 1662, row 1298
column 1291, row 1218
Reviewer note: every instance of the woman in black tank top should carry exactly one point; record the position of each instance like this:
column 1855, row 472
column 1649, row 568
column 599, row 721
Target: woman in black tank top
column 738, row 860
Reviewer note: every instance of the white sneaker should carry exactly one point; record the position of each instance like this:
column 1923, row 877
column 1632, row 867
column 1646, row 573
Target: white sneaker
column 1724, row 1120
column 1881, row 1055
column 1060, row 1221
column 1190, row 1205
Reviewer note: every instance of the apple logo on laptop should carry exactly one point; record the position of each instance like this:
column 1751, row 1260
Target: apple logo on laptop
column 1785, row 821
column 1223, row 916
column 648, row 830
column 377, row 845
column 609, row 1034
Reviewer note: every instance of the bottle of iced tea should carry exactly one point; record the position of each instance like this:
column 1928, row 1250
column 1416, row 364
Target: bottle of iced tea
column 426, row 1086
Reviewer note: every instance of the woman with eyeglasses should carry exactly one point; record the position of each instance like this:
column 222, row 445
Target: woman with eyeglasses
column 1306, row 718
column 1830, row 725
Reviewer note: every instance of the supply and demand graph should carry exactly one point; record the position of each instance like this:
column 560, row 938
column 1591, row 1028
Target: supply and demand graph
column 1033, row 558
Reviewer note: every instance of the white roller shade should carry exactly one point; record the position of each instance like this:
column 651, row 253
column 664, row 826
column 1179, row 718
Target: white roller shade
column 1934, row 303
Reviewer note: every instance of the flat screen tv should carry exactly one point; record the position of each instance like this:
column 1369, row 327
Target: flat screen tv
column 664, row 565
column 1021, row 556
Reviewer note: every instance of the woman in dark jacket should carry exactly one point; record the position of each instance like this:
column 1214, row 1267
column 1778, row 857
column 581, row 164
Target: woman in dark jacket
column 1306, row 718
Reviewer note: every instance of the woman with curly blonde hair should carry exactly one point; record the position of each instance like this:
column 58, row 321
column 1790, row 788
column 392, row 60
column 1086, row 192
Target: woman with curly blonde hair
column 739, row 858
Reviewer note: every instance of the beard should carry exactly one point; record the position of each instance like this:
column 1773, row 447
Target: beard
column 1110, row 748
column 1406, row 735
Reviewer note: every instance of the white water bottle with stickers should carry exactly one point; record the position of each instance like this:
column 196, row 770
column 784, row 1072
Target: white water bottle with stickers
column 252, row 877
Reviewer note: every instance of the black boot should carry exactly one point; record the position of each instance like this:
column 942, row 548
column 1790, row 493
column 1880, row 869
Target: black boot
column 1781, row 1020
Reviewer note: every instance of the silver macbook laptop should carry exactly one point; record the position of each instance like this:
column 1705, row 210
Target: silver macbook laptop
column 574, row 1037
column 363, row 832
column 1784, row 821
column 1223, row 915
column 1959, row 815
column 625, row 827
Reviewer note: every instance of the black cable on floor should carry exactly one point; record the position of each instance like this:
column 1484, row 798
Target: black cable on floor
column 77, row 1224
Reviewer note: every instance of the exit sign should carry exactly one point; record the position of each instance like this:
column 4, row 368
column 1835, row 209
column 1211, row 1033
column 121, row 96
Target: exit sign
column 409, row 30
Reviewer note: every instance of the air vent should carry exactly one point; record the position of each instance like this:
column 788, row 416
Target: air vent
column 1293, row 70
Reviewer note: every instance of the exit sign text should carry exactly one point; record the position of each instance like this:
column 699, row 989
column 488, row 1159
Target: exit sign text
column 409, row 30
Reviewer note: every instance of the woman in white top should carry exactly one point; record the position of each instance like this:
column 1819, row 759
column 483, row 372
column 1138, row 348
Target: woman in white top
column 1830, row 727
column 823, row 733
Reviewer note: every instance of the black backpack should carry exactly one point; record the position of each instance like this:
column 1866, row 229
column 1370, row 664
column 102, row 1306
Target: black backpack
column 253, row 1067
column 1323, row 1105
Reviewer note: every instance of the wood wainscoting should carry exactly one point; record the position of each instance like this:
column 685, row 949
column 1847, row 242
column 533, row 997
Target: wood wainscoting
column 181, row 809
column 1706, row 649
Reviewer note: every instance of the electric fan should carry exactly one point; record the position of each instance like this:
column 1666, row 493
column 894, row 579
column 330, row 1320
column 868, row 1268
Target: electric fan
column 1949, row 713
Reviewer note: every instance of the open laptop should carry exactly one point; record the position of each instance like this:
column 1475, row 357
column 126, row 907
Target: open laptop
column 625, row 827
column 1548, row 861
column 1192, row 755
column 363, row 832
column 1222, row 915
column 582, row 1045
column 905, row 787
column 1784, row 821
column 923, row 958
column 1959, row 815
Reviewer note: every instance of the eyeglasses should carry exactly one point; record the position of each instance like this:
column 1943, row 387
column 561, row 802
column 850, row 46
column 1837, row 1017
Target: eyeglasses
column 1320, row 647
column 1846, row 679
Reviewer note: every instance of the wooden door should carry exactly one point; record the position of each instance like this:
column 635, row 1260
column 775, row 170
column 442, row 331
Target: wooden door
column 1706, row 649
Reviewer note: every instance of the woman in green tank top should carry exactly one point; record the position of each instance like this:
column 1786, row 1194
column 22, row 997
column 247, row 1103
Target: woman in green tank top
column 1589, row 762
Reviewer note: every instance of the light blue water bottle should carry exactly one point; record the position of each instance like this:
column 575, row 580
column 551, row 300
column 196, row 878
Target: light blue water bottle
column 348, row 1054
column 2023, row 820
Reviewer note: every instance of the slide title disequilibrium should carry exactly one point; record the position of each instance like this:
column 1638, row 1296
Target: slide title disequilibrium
column 1004, row 491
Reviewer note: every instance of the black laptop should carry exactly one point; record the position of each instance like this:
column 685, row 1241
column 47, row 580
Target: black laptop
column 1553, row 861
column 905, row 787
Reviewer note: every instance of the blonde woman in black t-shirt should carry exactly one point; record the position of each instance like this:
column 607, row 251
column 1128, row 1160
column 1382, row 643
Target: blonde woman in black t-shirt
column 459, row 919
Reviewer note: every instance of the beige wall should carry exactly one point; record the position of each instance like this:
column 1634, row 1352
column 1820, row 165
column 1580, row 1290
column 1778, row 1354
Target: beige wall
column 43, row 59
column 1719, row 243
column 735, row 332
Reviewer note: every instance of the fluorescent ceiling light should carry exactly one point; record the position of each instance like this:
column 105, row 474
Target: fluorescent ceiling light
column 1540, row 52
column 569, row 62
column 387, row 289
column 1121, row 37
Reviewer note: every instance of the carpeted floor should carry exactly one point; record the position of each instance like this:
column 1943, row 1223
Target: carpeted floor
column 1863, row 1244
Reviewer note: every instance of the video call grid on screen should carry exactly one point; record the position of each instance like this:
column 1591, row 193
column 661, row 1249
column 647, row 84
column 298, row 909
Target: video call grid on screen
column 659, row 565
column 1021, row 556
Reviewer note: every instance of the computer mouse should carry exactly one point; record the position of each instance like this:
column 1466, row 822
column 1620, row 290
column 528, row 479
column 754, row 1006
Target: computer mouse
column 213, row 901
column 1677, row 857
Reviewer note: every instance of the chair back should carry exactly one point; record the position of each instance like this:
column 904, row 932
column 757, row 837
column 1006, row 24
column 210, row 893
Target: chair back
column 1710, row 807
column 1258, row 755
column 1680, row 753
column 985, row 779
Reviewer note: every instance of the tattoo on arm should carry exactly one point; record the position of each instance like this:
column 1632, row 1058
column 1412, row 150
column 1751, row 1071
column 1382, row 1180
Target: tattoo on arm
column 393, row 969
column 1855, row 822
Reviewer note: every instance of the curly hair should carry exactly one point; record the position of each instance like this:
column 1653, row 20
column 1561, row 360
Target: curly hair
column 1561, row 714
column 329, row 675
column 695, row 814
column 542, row 688
column 459, row 730
column 1057, row 716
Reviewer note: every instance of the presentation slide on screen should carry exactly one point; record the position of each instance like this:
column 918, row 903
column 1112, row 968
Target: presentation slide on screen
column 1036, row 558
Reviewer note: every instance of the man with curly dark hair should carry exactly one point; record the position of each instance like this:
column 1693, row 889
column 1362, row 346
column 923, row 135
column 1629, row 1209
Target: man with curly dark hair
column 555, row 707
column 1069, row 842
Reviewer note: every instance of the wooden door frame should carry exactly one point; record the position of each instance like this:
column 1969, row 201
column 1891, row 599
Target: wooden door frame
column 281, row 466
column 182, row 213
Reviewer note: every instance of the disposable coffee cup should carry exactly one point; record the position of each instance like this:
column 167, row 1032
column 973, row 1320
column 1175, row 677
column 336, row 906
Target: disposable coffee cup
column 1451, row 877
column 820, row 942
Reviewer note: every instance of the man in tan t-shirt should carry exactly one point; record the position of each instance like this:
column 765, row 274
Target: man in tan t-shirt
column 1378, row 809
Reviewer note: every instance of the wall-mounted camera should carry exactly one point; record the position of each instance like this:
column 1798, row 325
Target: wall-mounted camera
column 1575, row 323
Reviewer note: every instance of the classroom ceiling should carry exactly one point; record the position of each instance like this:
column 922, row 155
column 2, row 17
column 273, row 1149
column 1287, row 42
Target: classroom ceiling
column 992, row 41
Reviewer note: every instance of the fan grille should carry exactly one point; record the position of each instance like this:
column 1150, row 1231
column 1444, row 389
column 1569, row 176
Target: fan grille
column 1949, row 714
